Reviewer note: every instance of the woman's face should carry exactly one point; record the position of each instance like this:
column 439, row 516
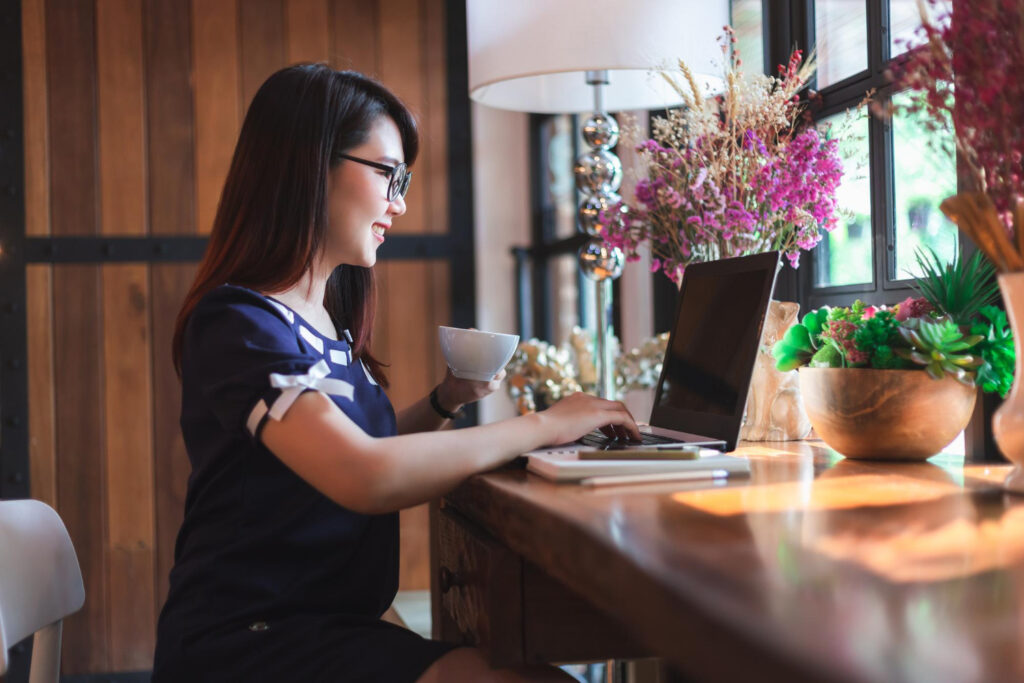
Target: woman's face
column 358, row 210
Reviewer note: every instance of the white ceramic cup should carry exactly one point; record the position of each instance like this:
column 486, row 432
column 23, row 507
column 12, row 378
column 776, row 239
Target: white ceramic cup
column 476, row 355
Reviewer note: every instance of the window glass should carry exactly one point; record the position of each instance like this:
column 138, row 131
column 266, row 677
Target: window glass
column 560, row 185
column 747, row 22
column 924, row 173
column 905, row 18
column 844, row 256
column 841, row 33
column 563, row 272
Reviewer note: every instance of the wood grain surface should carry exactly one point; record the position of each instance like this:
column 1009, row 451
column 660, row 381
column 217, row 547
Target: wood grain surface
column 218, row 100
column 307, row 31
column 41, row 418
column 814, row 568
column 81, row 463
column 171, row 468
column 170, row 122
column 128, row 436
column 262, row 42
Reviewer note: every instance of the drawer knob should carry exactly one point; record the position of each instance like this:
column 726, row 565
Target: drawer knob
column 450, row 579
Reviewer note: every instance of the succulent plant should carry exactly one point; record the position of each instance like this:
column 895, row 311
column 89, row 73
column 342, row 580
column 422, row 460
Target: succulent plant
column 939, row 346
column 959, row 288
column 801, row 341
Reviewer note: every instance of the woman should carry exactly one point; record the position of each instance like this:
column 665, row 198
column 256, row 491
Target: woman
column 288, row 554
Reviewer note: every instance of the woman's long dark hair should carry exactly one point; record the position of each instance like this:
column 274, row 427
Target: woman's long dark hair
column 272, row 218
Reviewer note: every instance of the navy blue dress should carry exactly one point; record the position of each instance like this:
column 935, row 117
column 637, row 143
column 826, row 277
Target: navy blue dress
column 273, row 581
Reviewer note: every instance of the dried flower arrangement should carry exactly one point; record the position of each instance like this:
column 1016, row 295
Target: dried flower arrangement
column 737, row 174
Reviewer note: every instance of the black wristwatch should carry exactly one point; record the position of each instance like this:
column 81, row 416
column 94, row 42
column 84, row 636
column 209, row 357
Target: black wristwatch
column 436, row 405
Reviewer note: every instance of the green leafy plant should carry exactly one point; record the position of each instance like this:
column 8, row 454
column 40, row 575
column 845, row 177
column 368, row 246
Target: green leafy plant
column 939, row 346
column 801, row 341
column 996, row 349
column 960, row 288
column 879, row 337
column 952, row 330
column 794, row 349
column 853, row 314
column 912, row 334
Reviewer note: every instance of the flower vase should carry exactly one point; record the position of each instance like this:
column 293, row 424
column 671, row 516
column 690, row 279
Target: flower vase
column 775, row 409
column 1008, row 421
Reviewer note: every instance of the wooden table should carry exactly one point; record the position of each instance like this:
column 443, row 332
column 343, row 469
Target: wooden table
column 814, row 568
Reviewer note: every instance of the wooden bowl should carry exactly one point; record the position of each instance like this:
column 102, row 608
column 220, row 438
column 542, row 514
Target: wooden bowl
column 885, row 414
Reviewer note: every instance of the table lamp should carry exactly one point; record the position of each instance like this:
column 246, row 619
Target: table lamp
column 575, row 56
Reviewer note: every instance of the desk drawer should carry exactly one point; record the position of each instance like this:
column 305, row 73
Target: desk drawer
column 493, row 599
column 480, row 584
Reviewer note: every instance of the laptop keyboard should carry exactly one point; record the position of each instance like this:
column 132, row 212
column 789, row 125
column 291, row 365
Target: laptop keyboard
column 599, row 440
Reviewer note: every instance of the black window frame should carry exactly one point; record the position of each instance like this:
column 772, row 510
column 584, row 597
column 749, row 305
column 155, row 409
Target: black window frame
column 534, row 293
column 779, row 37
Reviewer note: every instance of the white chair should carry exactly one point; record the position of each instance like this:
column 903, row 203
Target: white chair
column 40, row 584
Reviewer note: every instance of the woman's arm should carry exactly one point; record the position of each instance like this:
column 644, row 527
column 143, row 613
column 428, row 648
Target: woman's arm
column 374, row 476
column 452, row 394
column 421, row 417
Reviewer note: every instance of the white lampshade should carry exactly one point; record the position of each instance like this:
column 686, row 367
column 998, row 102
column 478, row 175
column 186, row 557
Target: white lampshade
column 532, row 55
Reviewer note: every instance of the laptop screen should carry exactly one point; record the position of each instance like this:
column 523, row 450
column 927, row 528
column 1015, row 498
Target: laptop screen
column 712, row 348
column 707, row 366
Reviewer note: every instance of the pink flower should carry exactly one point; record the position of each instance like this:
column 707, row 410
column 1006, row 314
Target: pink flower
column 854, row 356
column 869, row 312
column 706, row 197
column 912, row 308
column 979, row 58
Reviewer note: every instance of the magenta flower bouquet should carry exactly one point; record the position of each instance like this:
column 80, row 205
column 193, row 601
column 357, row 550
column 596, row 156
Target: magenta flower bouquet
column 965, row 75
column 737, row 174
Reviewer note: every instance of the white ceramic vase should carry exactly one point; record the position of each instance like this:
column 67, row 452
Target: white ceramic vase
column 1008, row 422
column 775, row 409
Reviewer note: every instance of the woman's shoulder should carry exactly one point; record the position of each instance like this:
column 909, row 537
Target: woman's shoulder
column 234, row 310
column 244, row 302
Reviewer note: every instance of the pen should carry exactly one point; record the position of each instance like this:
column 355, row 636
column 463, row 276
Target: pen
column 655, row 477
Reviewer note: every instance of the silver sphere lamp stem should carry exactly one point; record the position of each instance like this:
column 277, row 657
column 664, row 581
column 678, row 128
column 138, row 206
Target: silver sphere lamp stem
column 599, row 175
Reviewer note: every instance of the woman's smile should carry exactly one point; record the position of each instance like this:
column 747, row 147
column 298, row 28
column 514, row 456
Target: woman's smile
column 378, row 230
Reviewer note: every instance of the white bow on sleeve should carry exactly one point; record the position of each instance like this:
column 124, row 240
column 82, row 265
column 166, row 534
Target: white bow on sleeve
column 316, row 378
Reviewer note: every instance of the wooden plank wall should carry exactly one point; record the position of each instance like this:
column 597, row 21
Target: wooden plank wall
column 132, row 108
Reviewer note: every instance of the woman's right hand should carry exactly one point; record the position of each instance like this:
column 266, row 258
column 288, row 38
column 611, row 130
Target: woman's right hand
column 580, row 413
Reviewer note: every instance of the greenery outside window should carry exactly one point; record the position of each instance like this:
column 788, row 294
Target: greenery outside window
column 896, row 177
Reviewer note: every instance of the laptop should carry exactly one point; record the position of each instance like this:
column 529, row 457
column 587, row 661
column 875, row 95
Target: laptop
column 705, row 376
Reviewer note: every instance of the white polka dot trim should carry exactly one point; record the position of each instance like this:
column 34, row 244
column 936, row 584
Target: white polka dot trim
column 314, row 341
column 285, row 311
column 256, row 416
column 368, row 375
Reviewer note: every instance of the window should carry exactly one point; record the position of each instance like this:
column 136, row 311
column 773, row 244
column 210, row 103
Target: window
column 553, row 294
column 896, row 171
column 748, row 24
column 924, row 173
column 840, row 27
column 904, row 19
column 845, row 255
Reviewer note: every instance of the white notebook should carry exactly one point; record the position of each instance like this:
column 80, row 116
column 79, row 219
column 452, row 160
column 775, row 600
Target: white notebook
column 566, row 465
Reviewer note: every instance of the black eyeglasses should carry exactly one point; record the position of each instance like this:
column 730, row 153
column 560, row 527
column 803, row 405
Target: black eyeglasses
column 399, row 176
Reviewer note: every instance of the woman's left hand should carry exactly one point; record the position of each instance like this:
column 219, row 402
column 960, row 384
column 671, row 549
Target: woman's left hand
column 453, row 393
